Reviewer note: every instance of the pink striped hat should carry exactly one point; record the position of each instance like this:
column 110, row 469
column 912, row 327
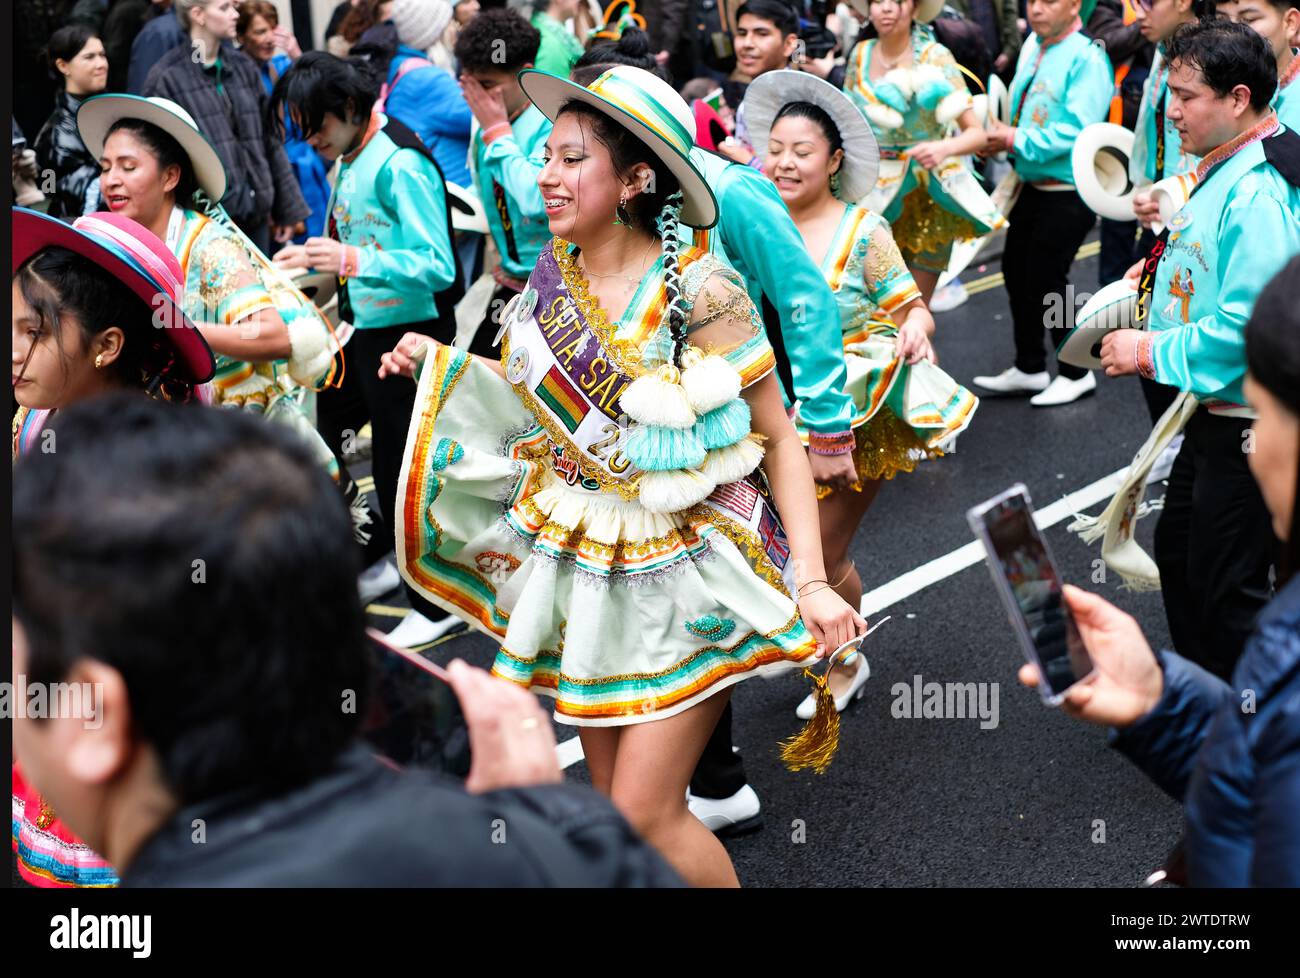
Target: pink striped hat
column 136, row 257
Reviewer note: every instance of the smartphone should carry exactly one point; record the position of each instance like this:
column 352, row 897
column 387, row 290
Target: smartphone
column 414, row 718
column 1030, row 587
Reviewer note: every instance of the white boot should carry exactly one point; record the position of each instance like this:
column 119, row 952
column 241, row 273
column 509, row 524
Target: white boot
column 1063, row 390
column 416, row 630
column 1014, row 381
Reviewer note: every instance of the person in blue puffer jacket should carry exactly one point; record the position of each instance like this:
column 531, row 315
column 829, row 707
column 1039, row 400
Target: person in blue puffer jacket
column 1229, row 752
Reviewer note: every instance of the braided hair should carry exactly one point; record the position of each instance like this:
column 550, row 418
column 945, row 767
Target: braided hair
column 666, row 224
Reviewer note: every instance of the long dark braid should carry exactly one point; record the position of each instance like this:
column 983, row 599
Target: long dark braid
column 666, row 223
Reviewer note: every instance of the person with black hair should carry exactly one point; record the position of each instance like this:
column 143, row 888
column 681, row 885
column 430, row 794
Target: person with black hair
column 221, row 88
column 492, row 49
column 1229, row 751
column 913, row 94
column 638, row 569
column 1213, row 544
column 389, row 243
column 84, row 326
column 1278, row 22
column 231, row 696
column 76, row 58
column 766, row 37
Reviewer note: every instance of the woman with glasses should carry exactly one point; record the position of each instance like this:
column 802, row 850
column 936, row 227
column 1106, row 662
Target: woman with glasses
column 910, row 89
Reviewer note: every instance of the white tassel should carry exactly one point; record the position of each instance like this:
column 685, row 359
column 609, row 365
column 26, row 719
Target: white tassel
column 951, row 106
column 658, row 398
column 709, row 382
column 310, row 357
column 734, row 462
column 920, row 75
column 901, row 78
column 675, row 490
column 884, row 117
column 1090, row 529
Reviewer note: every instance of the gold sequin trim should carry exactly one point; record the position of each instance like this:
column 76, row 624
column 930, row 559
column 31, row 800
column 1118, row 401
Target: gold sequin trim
column 884, row 446
column 924, row 227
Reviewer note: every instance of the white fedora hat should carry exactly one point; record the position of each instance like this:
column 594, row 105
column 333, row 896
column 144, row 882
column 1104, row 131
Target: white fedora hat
column 1171, row 194
column 99, row 112
column 1112, row 307
column 999, row 100
column 1100, row 163
column 467, row 212
column 646, row 106
column 926, row 10
column 773, row 90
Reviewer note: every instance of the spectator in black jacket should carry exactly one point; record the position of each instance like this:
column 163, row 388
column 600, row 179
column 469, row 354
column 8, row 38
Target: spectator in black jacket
column 221, row 88
column 76, row 57
column 221, row 749
column 998, row 27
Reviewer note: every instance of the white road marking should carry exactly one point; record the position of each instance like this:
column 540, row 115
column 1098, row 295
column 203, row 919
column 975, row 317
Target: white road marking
column 905, row 585
column 569, row 752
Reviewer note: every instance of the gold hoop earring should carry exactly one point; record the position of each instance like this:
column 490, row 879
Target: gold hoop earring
column 621, row 216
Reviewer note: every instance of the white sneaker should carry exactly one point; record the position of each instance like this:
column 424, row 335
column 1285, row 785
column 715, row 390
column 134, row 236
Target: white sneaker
column 949, row 297
column 727, row 816
column 1015, row 381
column 1165, row 463
column 1063, row 390
column 808, row 707
column 377, row 580
column 416, row 630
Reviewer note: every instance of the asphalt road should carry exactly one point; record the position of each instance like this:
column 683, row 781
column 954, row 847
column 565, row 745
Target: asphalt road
column 1037, row 800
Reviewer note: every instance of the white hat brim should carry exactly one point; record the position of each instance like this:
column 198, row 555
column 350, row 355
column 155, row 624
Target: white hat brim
column 999, row 99
column 319, row 287
column 549, row 92
column 99, row 112
column 926, row 10
column 773, row 90
column 467, row 213
column 1112, row 307
column 1115, row 143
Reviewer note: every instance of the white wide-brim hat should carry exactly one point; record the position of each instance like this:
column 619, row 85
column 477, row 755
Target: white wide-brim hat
column 1100, row 163
column 467, row 213
column 773, row 90
column 999, row 99
column 646, row 106
column 1112, row 307
column 319, row 287
column 926, row 10
column 99, row 112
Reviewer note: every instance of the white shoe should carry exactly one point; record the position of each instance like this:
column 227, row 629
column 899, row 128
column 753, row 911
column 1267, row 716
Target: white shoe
column 727, row 816
column 1063, row 390
column 377, row 580
column 1165, row 463
column 808, row 707
column 416, row 630
column 1015, row 381
column 949, row 297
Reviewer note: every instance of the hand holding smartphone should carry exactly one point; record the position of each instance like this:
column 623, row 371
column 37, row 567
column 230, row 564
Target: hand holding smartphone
column 1031, row 589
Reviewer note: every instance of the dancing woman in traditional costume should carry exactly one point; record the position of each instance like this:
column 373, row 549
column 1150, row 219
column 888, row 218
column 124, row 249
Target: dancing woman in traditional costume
column 84, row 302
column 910, row 89
column 593, row 501
column 820, row 153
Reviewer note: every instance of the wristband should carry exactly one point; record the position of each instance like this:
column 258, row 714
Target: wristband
column 349, row 261
column 815, row 580
column 832, row 443
column 494, row 132
column 1143, row 358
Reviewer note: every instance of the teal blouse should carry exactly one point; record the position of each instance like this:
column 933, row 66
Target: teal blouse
column 506, row 176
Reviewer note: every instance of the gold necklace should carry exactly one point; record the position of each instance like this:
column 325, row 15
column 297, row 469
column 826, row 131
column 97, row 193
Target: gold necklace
column 632, row 279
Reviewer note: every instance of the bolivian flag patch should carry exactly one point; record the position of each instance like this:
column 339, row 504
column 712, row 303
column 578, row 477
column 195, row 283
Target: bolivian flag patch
column 557, row 393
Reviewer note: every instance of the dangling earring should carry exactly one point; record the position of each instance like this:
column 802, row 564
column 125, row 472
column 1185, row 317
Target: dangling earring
column 835, row 183
column 99, row 361
column 621, row 216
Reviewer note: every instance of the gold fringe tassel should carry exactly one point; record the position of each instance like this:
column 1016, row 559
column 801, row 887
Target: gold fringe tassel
column 815, row 745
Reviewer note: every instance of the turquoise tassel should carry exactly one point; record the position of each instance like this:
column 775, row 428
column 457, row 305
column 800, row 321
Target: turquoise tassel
column 655, row 448
column 893, row 96
column 933, row 92
column 725, row 425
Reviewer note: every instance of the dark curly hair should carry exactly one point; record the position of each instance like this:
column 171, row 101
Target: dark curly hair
column 1227, row 55
column 497, row 40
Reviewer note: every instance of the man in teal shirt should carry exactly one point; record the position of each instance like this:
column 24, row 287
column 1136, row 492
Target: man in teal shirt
column 505, row 153
column 1214, row 543
column 1063, row 83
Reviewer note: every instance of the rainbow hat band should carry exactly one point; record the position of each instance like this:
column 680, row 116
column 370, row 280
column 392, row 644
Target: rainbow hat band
column 646, row 106
column 132, row 254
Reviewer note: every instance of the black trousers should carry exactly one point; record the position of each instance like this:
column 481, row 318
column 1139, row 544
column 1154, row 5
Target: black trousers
column 387, row 405
column 1046, row 230
column 1119, row 250
column 1214, row 544
column 721, row 772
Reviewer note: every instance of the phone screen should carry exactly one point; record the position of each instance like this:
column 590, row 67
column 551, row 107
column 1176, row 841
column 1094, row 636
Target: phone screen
column 1024, row 563
column 414, row 717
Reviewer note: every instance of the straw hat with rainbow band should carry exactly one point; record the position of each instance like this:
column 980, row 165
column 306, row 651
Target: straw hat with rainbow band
column 136, row 257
